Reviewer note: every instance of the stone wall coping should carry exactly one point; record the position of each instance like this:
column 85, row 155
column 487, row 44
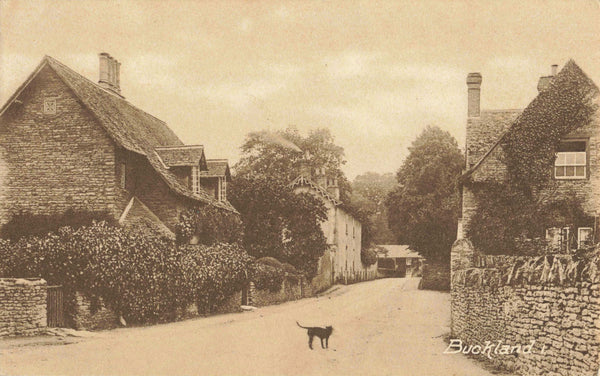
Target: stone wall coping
column 23, row 281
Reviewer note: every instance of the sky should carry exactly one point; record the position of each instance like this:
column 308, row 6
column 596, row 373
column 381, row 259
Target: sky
column 375, row 73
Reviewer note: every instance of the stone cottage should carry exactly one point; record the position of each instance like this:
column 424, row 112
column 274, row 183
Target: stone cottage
column 538, row 309
column 576, row 166
column 342, row 261
column 69, row 143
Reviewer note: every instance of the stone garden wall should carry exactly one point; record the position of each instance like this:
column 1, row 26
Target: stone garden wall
column 546, row 308
column 93, row 315
column 22, row 306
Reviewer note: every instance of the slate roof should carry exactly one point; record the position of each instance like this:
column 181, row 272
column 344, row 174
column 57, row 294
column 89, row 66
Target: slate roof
column 397, row 250
column 188, row 155
column 217, row 167
column 130, row 127
column 571, row 69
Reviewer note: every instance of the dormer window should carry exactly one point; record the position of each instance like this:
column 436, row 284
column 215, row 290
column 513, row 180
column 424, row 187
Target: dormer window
column 571, row 160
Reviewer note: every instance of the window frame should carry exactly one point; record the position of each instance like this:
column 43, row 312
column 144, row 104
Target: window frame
column 196, row 179
column 565, row 165
column 579, row 235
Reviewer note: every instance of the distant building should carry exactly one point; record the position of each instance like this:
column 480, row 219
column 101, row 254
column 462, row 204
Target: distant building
column 395, row 260
column 342, row 261
column 69, row 143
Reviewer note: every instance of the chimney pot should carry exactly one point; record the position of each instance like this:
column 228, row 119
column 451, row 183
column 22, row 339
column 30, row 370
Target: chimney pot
column 554, row 69
column 109, row 77
column 474, row 94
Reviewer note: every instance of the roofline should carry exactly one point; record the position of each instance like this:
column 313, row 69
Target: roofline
column 160, row 159
column 179, row 147
column 24, row 85
column 217, row 160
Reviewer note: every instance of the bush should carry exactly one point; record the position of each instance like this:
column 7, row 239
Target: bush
column 210, row 274
column 210, row 224
column 269, row 273
column 139, row 274
column 368, row 256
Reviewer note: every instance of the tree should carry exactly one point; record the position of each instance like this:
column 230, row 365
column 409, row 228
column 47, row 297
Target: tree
column 369, row 192
column 423, row 208
column 280, row 154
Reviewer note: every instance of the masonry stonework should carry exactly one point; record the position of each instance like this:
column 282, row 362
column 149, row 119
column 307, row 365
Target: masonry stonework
column 552, row 302
column 54, row 162
column 22, row 306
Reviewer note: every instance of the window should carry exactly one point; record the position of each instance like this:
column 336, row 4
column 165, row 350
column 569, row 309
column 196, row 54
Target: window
column 571, row 160
column 558, row 238
column 584, row 237
column 195, row 179
column 50, row 106
column 346, row 229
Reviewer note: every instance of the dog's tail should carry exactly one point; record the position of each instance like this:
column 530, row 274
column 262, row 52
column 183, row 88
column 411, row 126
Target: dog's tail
column 303, row 327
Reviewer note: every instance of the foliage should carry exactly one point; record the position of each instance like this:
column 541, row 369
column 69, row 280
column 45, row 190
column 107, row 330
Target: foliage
column 423, row 208
column 369, row 192
column 531, row 144
column 279, row 223
column 280, row 155
column 512, row 214
column 368, row 256
column 26, row 223
column 213, row 273
column 268, row 273
column 141, row 275
column 210, row 224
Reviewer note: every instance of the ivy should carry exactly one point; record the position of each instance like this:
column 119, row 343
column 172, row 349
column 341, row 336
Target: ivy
column 210, row 225
column 139, row 274
column 512, row 215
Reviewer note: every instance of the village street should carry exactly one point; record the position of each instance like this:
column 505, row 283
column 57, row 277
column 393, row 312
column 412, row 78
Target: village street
column 383, row 327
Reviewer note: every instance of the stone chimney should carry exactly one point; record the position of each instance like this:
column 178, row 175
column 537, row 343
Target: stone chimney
column 333, row 188
column 544, row 81
column 109, row 77
column 474, row 94
column 321, row 177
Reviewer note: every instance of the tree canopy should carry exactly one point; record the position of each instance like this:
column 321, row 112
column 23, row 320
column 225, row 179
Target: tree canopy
column 279, row 223
column 369, row 192
column 423, row 208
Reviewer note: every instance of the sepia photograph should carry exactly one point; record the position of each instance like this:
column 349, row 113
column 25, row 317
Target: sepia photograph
column 300, row 187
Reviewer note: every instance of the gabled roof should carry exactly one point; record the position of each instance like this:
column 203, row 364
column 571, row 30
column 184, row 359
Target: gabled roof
column 302, row 181
column 571, row 69
column 188, row 155
column 397, row 250
column 129, row 127
column 217, row 168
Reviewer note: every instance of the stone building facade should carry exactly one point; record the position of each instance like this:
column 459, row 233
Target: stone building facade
column 540, row 313
column 69, row 143
column 342, row 261
column 486, row 130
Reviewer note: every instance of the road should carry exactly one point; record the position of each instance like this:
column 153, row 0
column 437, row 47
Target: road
column 382, row 327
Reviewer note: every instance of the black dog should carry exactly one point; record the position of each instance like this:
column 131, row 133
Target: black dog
column 322, row 333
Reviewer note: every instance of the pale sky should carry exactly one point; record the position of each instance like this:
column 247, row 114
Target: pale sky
column 374, row 72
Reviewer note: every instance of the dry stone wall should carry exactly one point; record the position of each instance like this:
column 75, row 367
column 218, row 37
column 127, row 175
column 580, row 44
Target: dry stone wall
column 22, row 306
column 538, row 316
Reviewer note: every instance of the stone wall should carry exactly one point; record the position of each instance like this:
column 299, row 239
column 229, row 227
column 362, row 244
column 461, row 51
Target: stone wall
column 54, row 162
column 22, row 306
column 90, row 315
column 549, row 303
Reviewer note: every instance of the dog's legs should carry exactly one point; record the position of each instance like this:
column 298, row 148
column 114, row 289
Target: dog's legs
column 310, row 339
column 327, row 342
column 322, row 346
